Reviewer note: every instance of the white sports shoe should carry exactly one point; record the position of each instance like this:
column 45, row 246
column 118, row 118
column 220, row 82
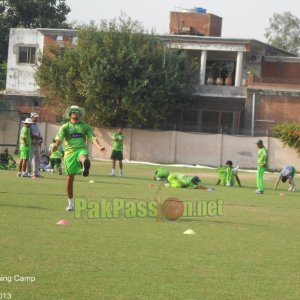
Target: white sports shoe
column 121, row 173
column 25, row 175
column 70, row 207
column 19, row 174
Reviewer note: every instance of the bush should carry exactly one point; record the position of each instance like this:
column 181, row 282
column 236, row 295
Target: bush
column 289, row 134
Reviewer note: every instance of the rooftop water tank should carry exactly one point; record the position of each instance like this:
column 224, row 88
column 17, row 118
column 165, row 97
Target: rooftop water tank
column 200, row 10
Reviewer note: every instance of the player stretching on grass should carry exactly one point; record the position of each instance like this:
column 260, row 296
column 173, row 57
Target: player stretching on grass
column 287, row 173
column 262, row 164
column 5, row 158
column 75, row 134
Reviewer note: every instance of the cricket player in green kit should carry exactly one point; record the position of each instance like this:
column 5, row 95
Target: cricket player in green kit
column 262, row 164
column 75, row 134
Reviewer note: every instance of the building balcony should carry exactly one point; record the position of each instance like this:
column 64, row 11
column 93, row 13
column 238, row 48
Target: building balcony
column 221, row 91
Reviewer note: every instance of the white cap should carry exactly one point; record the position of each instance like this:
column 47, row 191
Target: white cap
column 28, row 121
column 34, row 114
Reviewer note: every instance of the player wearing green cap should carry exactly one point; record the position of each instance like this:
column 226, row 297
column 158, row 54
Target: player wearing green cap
column 262, row 164
column 75, row 134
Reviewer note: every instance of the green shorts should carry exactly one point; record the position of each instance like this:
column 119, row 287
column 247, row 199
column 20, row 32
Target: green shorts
column 72, row 163
column 116, row 155
column 24, row 152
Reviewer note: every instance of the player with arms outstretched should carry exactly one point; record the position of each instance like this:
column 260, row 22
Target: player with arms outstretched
column 75, row 134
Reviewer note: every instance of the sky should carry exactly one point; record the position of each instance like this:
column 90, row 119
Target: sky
column 241, row 18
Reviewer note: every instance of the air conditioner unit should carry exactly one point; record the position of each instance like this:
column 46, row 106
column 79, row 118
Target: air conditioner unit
column 254, row 58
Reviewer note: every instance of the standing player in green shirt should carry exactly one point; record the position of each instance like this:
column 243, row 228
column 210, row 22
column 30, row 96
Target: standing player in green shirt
column 117, row 152
column 56, row 157
column 75, row 134
column 262, row 164
column 25, row 145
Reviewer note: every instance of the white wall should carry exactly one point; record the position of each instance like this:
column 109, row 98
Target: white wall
column 175, row 147
column 21, row 77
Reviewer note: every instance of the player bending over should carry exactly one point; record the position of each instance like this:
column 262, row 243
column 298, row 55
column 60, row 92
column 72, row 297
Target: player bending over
column 287, row 173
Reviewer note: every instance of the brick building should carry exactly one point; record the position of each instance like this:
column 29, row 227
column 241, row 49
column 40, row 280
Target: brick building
column 25, row 46
column 227, row 99
column 195, row 22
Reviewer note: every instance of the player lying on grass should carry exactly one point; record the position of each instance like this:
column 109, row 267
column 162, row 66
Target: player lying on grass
column 184, row 181
column 75, row 134
column 287, row 173
column 176, row 180
column 5, row 158
column 228, row 175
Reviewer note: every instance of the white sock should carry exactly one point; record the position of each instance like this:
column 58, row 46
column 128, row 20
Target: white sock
column 113, row 171
column 71, row 201
column 121, row 172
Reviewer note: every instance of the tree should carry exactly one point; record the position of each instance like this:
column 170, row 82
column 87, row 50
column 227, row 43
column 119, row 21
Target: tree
column 289, row 134
column 119, row 74
column 284, row 32
column 29, row 14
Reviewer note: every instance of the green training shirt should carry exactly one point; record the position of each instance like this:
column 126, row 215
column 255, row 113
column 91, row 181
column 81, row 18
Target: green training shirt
column 262, row 160
column 57, row 153
column 75, row 136
column 117, row 145
column 25, row 132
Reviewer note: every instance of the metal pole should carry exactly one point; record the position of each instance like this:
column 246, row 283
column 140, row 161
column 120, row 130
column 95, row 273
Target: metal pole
column 253, row 114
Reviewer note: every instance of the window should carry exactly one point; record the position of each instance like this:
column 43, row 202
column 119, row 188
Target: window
column 27, row 55
column 59, row 38
column 74, row 40
column 23, row 116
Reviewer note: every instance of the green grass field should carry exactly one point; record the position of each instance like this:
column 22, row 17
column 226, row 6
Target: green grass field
column 251, row 252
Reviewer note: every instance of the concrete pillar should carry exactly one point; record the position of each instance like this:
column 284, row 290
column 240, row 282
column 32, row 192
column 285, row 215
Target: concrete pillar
column 199, row 120
column 203, row 66
column 234, row 123
column 239, row 66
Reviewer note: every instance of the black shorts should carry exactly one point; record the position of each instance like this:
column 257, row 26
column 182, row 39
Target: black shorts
column 116, row 155
column 55, row 162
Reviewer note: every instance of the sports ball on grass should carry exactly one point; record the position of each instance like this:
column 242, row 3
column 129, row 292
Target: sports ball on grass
column 172, row 208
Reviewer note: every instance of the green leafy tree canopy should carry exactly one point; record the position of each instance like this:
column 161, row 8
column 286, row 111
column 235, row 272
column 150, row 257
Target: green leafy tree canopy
column 284, row 32
column 119, row 74
column 289, row 134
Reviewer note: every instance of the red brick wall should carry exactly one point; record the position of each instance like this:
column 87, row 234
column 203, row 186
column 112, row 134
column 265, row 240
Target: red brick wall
column 45, row 115
column 50, row 40
column 280, row 109
column 280, row 69
column 206, row 24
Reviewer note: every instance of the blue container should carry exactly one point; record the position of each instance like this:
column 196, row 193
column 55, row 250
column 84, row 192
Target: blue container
column 200, row 10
